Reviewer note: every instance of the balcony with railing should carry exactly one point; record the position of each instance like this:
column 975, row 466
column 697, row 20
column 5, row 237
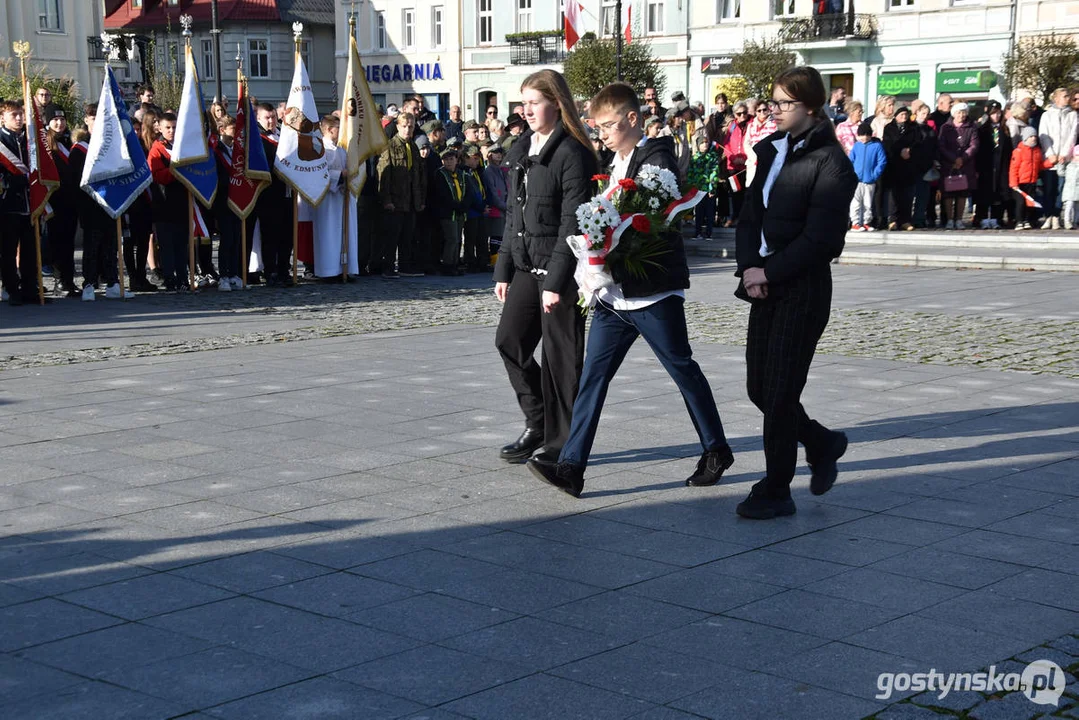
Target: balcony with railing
column 826, row 28
column 96, row 49
column 536, row 48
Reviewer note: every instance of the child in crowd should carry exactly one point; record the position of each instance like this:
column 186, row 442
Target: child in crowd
column 1027, row 162
column 496, row 182
column 704, row 175
column 1070, row 194
column 476, row 255
column 450, row 210
column 869, row 160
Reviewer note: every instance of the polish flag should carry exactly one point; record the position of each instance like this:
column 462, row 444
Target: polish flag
column 629, row 24
column 572, row 21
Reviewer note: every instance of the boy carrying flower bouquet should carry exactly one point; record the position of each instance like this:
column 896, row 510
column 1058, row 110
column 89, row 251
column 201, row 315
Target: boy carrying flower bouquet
column 633, row 264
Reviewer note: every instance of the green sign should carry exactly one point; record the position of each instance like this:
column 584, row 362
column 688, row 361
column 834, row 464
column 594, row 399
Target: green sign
column 898, row 83
column 966, row 81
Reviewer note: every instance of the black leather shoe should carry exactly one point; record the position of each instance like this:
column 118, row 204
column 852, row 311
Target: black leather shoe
column 522, row 448
column 710, row 467
column 824, row 469
column 547, row 455
column 758, row 506
column 567, row 477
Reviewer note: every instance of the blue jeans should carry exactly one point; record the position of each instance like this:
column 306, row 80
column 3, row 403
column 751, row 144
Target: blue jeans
column 1050, row 192
column 663, row 326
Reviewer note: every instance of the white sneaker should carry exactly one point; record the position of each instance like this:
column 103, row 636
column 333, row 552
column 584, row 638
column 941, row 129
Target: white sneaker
column 88, row 293
column 1068, row 224
column 224, row 286
column 1048, row 224
column 235, row 282
column 1056, row 222
column 112, row 292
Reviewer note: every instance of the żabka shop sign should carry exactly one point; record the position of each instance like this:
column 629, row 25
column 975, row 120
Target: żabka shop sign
column 905, row 83
column 406, row 72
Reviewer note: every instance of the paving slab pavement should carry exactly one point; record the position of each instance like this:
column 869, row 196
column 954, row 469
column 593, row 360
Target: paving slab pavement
column 315, row 523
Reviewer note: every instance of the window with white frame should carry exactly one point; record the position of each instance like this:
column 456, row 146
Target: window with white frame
column 729, row 9
column 655, row 16
column 207, row 51
column 900, row 4
column 380, row 31
column 608, row 19
column 408, row 27
column 782, row 8
column 524, row 15
column 486, row 18
column 49, row 18
column 170, row 57
column 436, row 26
column 258, row 58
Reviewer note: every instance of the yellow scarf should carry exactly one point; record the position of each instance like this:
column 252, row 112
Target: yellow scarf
column 408, row 152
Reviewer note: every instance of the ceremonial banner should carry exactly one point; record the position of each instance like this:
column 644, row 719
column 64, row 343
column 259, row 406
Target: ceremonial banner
column 192, row 163
column 116, row 170
column 250, row 169
column 361, row 133
column 301, row 158
column 44, row 177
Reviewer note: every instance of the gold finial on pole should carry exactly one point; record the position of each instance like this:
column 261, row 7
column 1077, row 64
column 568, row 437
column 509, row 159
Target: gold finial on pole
column 352, row 20
column 106, row 47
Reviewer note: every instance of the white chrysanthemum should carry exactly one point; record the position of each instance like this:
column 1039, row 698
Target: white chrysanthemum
column 653, row 203
column 596, row 215
column 659, row 180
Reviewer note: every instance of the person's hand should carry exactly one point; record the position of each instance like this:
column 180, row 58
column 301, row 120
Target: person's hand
column 1051, row 159
column 388, row 207
column 905, row 153
column 500, row 291
column 753, row 277
column 757, row 292
column 550, row 300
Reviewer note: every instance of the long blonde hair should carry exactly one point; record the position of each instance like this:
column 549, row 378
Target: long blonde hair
column 553, row 86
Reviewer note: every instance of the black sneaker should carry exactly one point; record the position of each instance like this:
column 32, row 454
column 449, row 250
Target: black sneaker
column 567, row 477
column 824, row 469
column 710, row 467
column 760, row 507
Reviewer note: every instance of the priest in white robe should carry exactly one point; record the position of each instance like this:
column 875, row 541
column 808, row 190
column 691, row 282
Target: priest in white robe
column 329, row 215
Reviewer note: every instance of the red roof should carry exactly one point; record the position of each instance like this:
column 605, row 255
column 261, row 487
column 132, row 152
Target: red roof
column 156, row 13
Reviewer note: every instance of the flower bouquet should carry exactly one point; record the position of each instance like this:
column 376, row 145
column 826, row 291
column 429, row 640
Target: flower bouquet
column 624, row 229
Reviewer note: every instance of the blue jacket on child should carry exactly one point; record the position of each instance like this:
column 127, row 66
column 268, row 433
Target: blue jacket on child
column 869, row 160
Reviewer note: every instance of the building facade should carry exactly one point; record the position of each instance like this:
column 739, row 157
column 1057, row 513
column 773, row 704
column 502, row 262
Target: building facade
column 63, row 35
column 907, row 48
column 496, row 58
column 257, row 31
column 407, row 47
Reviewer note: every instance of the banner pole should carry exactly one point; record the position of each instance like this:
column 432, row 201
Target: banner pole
column 37, row 248
column 295, row 233
column 120, row 254
column 243, row 252
column 191, row 240
column 344, row 236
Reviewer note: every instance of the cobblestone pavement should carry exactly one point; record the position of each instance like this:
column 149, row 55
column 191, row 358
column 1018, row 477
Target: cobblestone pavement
column 297, row 511
column 982, row 334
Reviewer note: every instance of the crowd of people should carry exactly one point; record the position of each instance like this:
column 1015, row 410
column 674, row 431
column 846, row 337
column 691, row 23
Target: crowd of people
column 435, row 200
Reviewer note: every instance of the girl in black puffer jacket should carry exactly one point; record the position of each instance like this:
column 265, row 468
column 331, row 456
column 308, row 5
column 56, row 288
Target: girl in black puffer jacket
column 551, row 169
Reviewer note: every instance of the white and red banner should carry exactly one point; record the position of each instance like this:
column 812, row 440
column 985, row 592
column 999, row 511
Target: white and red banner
column 301, row 158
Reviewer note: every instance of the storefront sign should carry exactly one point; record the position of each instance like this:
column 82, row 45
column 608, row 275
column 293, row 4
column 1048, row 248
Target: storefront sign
column 404, row 73
column 966, row 81
column 716, row 64
column 898, row 83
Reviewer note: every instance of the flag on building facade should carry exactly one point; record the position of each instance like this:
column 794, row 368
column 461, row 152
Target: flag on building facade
column 361, row 134
column 116, row 171
column 572, row 23
column 192, row 162
column 301, row 159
